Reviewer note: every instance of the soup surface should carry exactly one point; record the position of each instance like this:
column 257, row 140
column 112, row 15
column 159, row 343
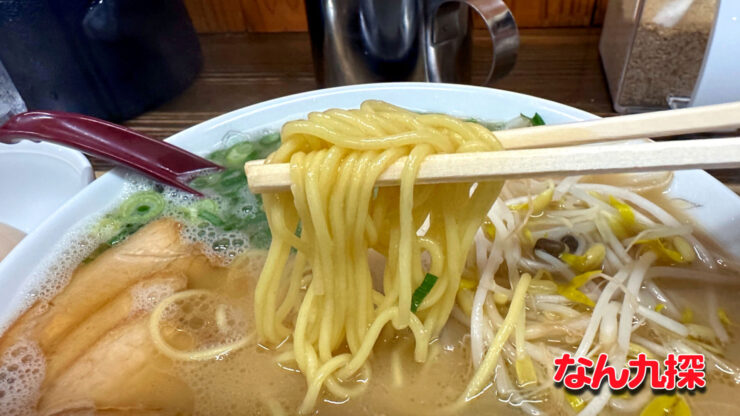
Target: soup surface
column 98, row 354
column 73, row 356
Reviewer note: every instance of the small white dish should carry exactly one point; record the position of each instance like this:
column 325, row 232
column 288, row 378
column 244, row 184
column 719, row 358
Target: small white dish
column 36, row 179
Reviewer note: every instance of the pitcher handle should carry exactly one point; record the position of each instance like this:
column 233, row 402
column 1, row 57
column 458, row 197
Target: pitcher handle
column 504, row 35
column 501, row 27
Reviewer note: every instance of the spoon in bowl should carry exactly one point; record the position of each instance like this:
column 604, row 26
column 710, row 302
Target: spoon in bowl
column 157, row 159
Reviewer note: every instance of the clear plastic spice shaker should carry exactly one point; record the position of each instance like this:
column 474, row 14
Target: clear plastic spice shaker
column 652, row 51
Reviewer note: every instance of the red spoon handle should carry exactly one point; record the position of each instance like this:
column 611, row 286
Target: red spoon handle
column 160, row 160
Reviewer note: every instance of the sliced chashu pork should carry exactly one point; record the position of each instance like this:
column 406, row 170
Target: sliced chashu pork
column 76, row 329
column 122, row 372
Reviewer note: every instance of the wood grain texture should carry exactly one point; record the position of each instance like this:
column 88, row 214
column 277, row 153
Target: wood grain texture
column 558, row 64
column 517, row 164
column 552, row 13
column 274, row 15
column 210, row 16
column 220, row 16
column 599, row 12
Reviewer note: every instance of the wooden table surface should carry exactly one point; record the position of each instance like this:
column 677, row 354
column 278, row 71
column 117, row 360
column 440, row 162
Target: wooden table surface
column 559, row 64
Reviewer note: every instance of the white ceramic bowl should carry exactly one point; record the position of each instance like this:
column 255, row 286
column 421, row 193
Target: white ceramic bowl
column 717, row 208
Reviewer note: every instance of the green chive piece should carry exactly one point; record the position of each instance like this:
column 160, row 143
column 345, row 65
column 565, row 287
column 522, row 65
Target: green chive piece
column 127, row 230
column 239, row 154
column 218, row 156
column 537, row 120
column 141, row 207
column 97, row 252
column 269, row 139
column 211, row 217
column 422, row 291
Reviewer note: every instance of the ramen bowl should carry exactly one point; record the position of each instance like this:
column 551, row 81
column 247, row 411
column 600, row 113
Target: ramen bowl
column 712, row 206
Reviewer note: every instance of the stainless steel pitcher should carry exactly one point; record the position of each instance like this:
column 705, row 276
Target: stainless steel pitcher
column 359, row 41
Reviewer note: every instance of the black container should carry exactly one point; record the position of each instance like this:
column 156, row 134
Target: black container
column 112, row 59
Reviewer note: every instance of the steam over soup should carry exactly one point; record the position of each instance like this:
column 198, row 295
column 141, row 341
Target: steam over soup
column 435, row 299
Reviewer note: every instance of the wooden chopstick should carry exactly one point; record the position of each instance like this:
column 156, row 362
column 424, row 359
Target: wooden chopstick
column 561, row 161
column 656, row 124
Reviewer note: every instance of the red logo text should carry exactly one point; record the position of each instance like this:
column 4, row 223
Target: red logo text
column 678, row 371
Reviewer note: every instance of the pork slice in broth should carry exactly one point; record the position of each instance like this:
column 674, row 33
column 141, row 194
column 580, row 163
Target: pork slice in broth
column 137, row 300
column 155, row 249
column 123, row 371
column 93, row 336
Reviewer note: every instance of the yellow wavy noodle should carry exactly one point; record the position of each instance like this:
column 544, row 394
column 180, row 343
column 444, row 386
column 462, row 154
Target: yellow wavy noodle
column 201, row 324
column 335, row 314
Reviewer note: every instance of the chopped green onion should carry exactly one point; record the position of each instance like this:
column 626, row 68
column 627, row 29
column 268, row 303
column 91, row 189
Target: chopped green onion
column 134, row 212
column 257, row 217
column 191, row 211
column 237, row 209
column 205, row 181
column 260, row 238
column 97, row 252
column 269, row 139
column 536, row 119
column 233, row 177
column 239, row 154
column 211, row 217
column 127, row 230
column 218, row 156
column 141, row 207
column 422, row 291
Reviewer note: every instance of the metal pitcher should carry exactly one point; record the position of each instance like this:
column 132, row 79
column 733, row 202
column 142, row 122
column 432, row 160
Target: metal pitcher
column 359, row 41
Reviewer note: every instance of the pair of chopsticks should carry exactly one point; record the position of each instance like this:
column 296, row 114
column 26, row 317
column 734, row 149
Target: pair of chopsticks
column 539, row 151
